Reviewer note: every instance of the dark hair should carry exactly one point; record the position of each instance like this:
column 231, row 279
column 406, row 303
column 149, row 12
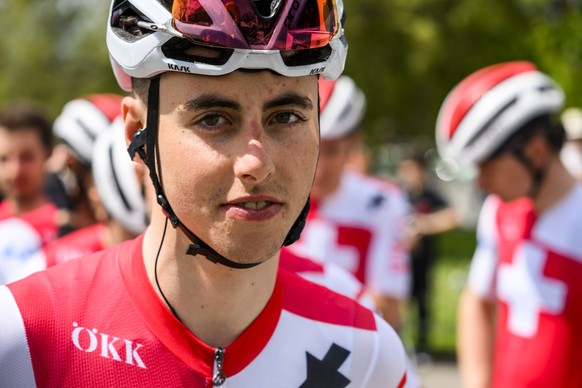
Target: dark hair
column 140, row 88
column 27, row 116
column 546, row 125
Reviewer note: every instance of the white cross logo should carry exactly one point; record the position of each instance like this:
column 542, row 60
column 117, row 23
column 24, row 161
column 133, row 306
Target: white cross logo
column 524, row 288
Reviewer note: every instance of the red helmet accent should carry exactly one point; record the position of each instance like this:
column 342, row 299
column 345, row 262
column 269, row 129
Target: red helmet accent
column 342, row 106
column 325, row 91
column 108, row 103
column 472, row 88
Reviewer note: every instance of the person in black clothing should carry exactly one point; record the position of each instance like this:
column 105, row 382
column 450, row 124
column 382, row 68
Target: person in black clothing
column 431, row 214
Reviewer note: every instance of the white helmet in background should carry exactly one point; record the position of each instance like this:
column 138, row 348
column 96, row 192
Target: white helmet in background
column 83, row 119
column 342, row 106
column 483, row 111
column 116, row 180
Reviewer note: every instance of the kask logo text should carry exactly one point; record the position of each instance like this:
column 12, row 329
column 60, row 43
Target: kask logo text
column 107, row 346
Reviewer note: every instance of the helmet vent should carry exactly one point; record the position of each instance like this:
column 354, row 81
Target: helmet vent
column 266, row 8
column 124, row 22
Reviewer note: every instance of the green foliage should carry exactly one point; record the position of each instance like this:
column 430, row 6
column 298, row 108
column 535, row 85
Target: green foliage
column 448, row 278
column 53, row 51
column 405, row 54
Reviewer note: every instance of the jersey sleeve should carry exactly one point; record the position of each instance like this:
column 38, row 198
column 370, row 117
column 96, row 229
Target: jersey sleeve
column 389, row 368
column 388, row 272
column 482, row 271
column 15, row 361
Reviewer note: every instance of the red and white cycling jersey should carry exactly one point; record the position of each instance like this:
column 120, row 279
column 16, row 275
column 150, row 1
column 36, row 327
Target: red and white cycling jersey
column 532, row 266
column 21, row 238
column 97, row 321
column 328, row 275
column 360, row 228
column 76, row 244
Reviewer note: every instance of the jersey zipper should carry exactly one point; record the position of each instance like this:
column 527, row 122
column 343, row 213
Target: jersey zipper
column 219, row 377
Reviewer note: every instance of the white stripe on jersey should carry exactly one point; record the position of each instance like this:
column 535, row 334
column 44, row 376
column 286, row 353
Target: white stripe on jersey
column 482, row 272
column 15, row 363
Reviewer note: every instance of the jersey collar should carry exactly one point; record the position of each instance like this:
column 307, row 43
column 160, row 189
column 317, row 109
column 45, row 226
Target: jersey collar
column 181, row 341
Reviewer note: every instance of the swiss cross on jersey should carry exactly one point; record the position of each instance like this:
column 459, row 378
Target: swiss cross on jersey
column 539, row 293
column 528, row 291
column 98, row 321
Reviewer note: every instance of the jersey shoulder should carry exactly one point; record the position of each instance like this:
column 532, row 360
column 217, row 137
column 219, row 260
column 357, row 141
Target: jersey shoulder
column 61, row 287
column 318, row 303
column 363, row 196
column 294, row 263
column 558, row 229
column 374, row 345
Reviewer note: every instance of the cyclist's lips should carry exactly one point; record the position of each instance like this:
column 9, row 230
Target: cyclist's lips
column 253, row 208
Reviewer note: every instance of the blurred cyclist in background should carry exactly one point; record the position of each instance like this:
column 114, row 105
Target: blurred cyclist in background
column 28, row 217
column 77, row 127
column 430, row 215
column 26, row 143
column 520, row 318
column 116, row 197
column 355, row 220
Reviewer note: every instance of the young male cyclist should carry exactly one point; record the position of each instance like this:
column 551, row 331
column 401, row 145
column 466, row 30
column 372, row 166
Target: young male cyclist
column 224, row 113
column 525, row 274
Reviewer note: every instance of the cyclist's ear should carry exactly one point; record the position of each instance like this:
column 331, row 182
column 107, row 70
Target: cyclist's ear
column 134, row 118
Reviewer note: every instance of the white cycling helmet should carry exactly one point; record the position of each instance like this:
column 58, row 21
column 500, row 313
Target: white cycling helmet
column 83, row 119
column 116, row 180
column 342, row 105
column 290, row 37
column 481, row 113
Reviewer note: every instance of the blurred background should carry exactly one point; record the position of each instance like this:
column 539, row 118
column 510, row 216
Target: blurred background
column 405, row 54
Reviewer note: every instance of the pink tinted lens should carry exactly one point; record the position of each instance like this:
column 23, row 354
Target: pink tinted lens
column 287, row 25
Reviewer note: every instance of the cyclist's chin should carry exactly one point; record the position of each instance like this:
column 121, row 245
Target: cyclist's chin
column 249, row 249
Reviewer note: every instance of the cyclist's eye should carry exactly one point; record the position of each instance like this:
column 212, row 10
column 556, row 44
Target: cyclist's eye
column 211, row 120
column 287, row 118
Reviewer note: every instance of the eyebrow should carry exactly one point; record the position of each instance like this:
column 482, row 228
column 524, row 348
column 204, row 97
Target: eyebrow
column 206, row 101
column 289, row 98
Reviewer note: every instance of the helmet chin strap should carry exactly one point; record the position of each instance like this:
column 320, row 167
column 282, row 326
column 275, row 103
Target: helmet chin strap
column 537, row 174
column 143, row 140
